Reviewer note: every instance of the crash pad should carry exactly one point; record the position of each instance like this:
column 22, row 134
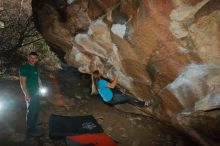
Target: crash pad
column 97, row 139
column 62, row 126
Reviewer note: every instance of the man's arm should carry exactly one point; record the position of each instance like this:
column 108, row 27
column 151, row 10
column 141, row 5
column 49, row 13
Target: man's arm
column 24, row 88
column 113, row 83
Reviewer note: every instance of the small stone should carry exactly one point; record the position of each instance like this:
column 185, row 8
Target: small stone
column 122, row 129
column 78, row 97
column 70, row 1
column 100, row 117
column 100, row 121
column 124, row 135
column 130, row 119
column 85, row 113
column 109, row 128
column 137, row 118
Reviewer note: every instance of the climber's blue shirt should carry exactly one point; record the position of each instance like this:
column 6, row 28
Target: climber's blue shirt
column 104, row 91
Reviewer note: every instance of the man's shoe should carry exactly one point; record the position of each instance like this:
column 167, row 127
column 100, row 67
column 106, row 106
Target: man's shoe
column 138, row 103
column 149, row 103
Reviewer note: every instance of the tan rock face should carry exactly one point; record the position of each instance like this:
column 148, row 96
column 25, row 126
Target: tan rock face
column 2, row 25
column 166, row 50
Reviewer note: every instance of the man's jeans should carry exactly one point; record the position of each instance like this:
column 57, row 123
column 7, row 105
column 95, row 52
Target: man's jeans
column 33, row 108
column 122, row 98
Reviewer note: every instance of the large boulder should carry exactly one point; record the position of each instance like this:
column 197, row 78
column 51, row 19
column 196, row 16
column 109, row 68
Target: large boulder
column 166, row 50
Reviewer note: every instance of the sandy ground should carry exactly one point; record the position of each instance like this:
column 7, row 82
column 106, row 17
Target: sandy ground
column 74, row 90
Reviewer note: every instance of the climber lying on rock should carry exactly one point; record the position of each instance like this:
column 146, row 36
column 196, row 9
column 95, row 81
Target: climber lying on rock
column 104, row 88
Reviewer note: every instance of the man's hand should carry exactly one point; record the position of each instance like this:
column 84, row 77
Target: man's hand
column 24, row 88
column 114, row 82
column 27, row 98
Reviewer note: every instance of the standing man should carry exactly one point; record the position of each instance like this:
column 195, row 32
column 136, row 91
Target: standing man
column 30, row 83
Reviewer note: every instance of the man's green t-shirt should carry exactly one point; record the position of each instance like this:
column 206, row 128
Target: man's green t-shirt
column 31, row 74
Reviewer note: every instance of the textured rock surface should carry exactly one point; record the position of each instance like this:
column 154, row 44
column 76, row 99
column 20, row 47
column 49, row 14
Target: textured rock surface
column 166, row 50
column 1, row 22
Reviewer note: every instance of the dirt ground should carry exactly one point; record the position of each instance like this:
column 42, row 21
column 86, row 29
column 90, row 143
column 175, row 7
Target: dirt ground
column 73, row 89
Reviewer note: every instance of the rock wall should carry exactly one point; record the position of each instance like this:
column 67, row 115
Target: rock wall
column 165, row 50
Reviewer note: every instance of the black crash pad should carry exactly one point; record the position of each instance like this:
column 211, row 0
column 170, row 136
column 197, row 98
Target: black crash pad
column 62, row 126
